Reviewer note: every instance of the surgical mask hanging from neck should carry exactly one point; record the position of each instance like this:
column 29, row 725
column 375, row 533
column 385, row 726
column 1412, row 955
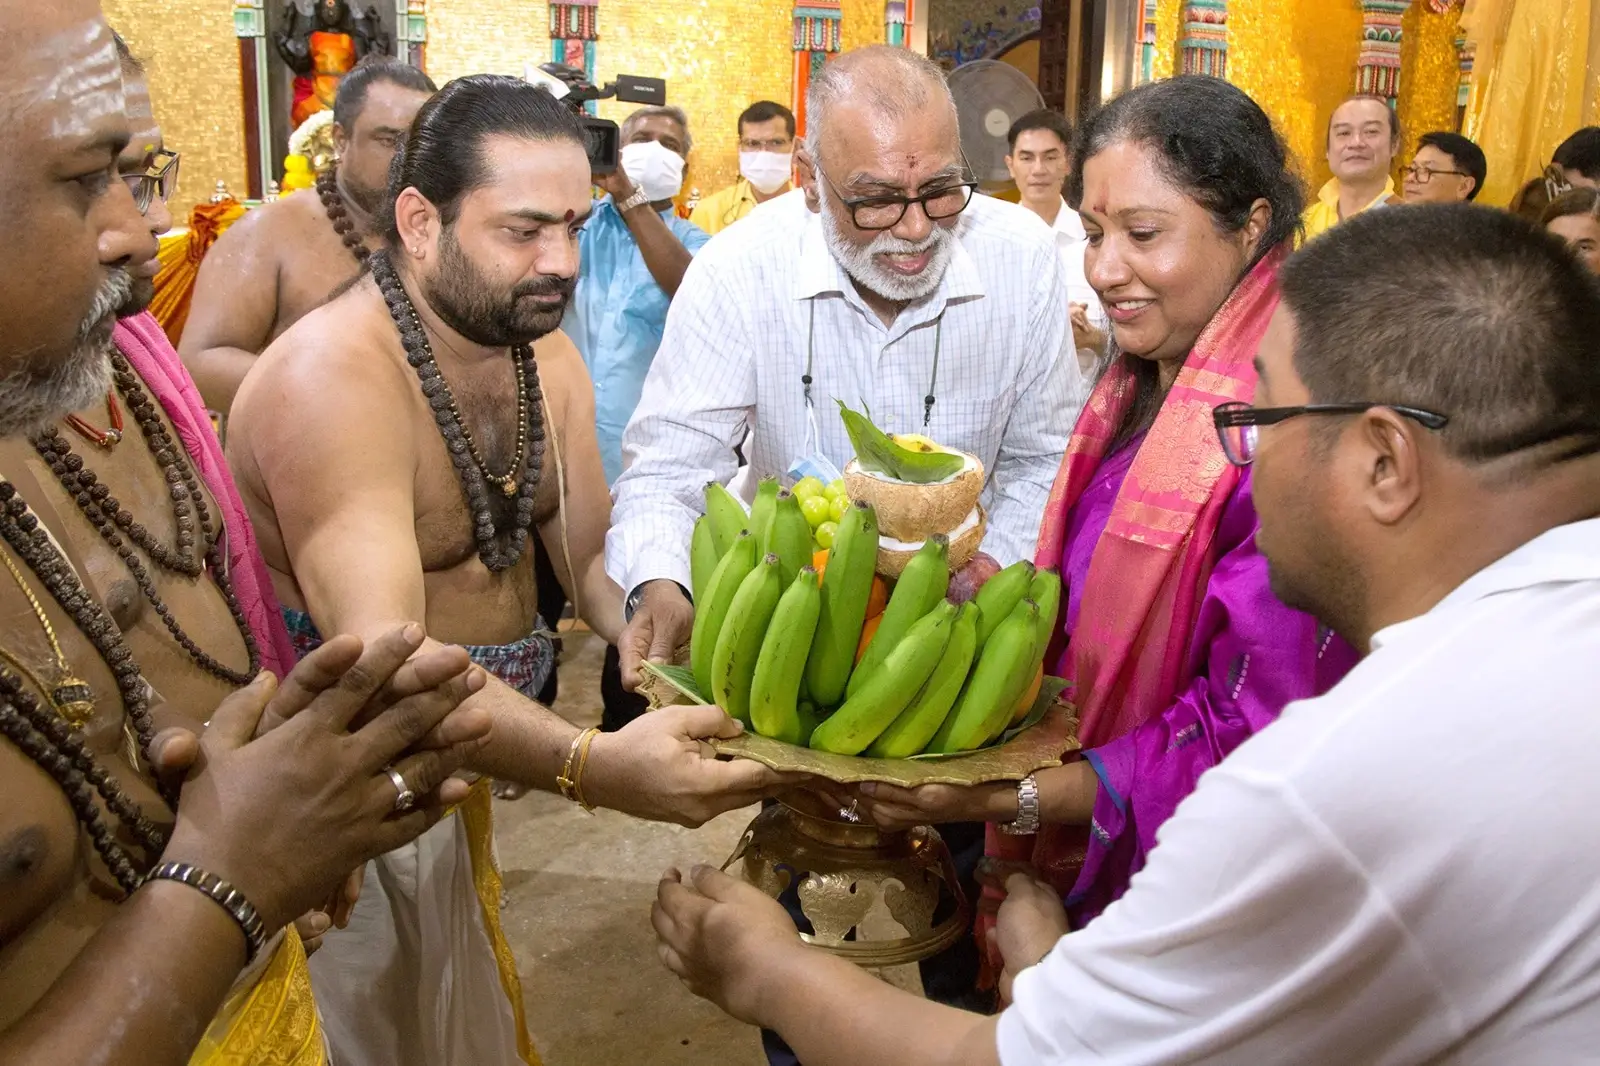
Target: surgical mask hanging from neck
column 653, row 167
column 767, row 172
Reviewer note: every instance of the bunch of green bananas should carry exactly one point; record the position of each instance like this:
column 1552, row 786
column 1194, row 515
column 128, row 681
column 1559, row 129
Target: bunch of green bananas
column 778, row 647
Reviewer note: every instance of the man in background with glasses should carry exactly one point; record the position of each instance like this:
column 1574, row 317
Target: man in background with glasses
column 1447, row 169
column 766, row 165
column 885, row 284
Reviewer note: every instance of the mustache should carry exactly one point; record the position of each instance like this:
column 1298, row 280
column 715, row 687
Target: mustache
column 888, row 244
column 113, row 293
column 547, row 286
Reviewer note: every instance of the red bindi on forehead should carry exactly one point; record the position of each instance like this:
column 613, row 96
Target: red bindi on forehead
column 571, row 214
column 1099, row 207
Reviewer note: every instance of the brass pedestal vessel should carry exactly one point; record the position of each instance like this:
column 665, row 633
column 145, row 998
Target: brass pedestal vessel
column 879, row 899
column 871, row 896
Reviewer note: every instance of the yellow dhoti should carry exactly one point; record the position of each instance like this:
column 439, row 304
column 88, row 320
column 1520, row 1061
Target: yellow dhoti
column 424, row 976
column 270, row 1018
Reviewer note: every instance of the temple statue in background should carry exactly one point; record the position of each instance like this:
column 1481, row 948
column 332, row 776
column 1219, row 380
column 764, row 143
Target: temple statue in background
column 321, row 40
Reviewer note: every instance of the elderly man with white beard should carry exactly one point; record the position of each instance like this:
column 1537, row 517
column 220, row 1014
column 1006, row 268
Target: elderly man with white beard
column 882, row 282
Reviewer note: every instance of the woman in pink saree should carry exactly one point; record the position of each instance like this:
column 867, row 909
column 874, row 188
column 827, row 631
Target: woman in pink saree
column 1175, row 646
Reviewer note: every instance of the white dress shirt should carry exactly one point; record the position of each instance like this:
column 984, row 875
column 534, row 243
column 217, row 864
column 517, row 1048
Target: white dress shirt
column 1072, row 242
column 1406, row 870
column 735, row 350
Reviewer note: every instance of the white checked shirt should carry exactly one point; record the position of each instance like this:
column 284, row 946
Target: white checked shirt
column 1007, row 389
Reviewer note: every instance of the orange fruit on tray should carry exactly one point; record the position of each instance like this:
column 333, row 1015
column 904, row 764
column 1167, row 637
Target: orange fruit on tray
column 867, row 632
column 1029, row 697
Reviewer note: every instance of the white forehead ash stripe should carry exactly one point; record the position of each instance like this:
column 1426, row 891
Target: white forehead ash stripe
column 78, row 67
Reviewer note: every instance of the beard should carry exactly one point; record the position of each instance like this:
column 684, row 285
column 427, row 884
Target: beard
column 32, row 396
column 141, row 292
column 857, row 260
column 464, row 297
column 365, row 197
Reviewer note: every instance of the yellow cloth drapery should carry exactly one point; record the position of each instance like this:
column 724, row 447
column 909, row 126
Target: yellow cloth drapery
column 180, row 263
column 272, row 1022
column 1536, row 79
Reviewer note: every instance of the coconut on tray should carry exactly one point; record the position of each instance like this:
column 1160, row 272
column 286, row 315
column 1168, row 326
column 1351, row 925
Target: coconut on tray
column 819, row 650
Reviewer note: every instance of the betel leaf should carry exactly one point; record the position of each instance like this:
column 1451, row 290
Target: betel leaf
column 879, row 454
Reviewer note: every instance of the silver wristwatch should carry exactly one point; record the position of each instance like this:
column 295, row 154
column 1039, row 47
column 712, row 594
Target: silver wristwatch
column 1027, row 820
column 638, row 199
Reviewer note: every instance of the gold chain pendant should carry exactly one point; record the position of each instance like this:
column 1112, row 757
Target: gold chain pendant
column 509, row 486
column 73, row 699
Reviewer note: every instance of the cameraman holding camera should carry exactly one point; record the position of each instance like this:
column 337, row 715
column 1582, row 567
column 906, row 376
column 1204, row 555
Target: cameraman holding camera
column 634, row 250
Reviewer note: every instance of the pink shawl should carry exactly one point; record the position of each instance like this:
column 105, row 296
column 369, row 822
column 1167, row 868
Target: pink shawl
column 142, row 342
column 1148, row 573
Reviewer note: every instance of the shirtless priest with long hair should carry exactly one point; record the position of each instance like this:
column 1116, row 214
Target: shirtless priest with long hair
column 398, row 449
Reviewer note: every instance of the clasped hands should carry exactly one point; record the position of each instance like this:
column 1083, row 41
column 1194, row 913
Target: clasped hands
column 284, row 794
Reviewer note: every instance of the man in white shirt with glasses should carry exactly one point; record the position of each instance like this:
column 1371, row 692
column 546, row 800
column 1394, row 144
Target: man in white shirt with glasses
column 882, row 282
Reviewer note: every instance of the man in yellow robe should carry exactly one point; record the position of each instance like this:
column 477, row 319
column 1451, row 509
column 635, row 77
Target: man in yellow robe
column 1363, row 137
column 766, row 150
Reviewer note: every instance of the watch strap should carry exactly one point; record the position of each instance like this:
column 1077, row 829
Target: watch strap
column 1027, row 821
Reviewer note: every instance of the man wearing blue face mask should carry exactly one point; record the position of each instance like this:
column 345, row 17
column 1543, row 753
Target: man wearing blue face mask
column 634, row 250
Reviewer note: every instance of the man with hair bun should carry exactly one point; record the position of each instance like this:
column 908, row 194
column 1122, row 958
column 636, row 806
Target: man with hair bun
column 398, row 448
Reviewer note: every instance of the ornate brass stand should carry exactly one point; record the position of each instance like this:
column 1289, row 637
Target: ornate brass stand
column 871, row 896
column 879, row 899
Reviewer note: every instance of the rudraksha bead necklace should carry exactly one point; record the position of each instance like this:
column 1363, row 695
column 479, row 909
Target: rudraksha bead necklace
column 29, row 540
column 339, row 215
column 500, row 549
column 114, row 523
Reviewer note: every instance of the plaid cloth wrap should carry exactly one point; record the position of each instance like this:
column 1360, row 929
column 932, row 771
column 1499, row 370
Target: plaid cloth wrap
column 523, row 664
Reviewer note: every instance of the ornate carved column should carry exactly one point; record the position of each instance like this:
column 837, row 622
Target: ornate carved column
column 897, row 18
column 1147, row 44
column 250, row 26
column 574, row 29
column 1378, row 64
column 816, row 36
column 1204, row 47
column 411, row 32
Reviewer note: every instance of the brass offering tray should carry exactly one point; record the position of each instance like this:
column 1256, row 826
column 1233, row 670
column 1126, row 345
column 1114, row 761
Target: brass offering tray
column 1049, row 732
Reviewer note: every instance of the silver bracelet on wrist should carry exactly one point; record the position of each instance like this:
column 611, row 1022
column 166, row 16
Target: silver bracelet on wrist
column 223, row 894
column 1027, row 821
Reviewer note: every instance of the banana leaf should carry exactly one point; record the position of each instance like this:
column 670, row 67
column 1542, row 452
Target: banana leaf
column 877, row 453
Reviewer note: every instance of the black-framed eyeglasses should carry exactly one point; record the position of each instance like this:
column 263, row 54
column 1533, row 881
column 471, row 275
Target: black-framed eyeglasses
column 885, row 212
column 159, row 178
column 1422, row 175
column 1238, row 424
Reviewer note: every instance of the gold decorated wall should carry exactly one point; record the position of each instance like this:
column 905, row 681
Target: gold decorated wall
column 717, row 57
column 192, row 55
column 1298, row 60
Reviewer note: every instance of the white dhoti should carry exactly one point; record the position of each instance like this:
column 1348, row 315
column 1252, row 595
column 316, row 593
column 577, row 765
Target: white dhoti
column 423, row 976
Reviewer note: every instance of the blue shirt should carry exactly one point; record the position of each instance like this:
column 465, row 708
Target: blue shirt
column 616, row 319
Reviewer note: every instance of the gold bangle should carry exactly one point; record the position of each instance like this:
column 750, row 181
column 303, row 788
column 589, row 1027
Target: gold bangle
column 572, row 769
column 583, row 764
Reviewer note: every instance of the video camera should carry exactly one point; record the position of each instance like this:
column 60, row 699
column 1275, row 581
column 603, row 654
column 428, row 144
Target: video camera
column 603, row 136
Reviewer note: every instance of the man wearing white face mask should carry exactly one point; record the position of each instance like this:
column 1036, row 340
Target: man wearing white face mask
column 766, row 165
column 633, row 252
